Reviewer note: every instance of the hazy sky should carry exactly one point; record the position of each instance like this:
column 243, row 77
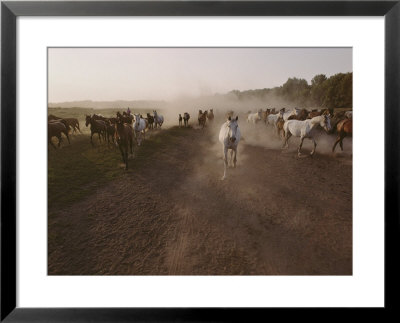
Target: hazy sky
column 107, row 74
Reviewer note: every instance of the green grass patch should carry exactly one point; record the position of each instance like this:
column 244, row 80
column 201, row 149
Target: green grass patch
column 75, row 171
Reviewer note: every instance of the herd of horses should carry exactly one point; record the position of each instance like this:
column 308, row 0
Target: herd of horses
column 120, row 130
column 124, row 128
column 185, row 119
column 292, row 122
column 202, row 118
column 288, row 122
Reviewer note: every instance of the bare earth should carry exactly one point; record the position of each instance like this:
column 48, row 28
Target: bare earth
column 275, row 214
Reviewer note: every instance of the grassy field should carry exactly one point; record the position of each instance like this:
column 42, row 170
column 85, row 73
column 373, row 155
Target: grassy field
column 80, row 113
column 75, row 170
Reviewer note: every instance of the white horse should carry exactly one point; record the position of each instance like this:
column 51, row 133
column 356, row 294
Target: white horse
column 305, row 129
column 349, row 114
column 254, row 117
column 273, row 118
column 158, row 119
column 139, row 127
column 289, row 113
column 229, row 136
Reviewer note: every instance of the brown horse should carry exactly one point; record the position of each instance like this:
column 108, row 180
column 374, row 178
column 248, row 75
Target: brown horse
column 126, row 118
column 202, row 118
column 150, row 121
column 96, row 126
column 344, row 129
column 72, row 123
column 316, row 113
column 279, row 126
column 186, row 117
column 303, row 114
column 265, row 114
column 55, row 129
column 124, row 137
column 337, row 117
column 110, row 131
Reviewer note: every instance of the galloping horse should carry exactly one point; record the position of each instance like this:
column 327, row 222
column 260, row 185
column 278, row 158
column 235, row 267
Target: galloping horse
column 229, row 137
column 305, row 129
column 110, row 130
column 265, row 114
column 186, row 117
column 344, row 129
column 124, row 117
column 279, row 126
column 302, row 115
column 316, row 113
column 202, row 118
column 72, row 123
column 139, row 127
column 293, row 112
column 254, row 117
column 158, row 119
column 150, row 121
column 54, row 129
column 274, row 117
column 96, row 126
column 124, row 137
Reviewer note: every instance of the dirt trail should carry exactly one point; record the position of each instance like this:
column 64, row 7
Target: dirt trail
column 274, row 214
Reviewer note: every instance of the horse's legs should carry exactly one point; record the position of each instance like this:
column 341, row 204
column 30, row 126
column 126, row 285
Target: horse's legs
column 51, row 143
column 122, row 152
column 66, row 134
column 225, row 151
column 91, row 140
column 315, row 146
column 301, row 144
column 130, row 145
column 341, row 141
column 336, row 142
column 234, row 158
column 126, row 156
column 286, row 143
column 59, row 140
column 231, row 156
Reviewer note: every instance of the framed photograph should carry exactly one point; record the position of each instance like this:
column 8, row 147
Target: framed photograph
column 196, row 161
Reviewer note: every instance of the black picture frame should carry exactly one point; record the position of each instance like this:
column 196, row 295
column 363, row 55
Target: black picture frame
column 10, row 10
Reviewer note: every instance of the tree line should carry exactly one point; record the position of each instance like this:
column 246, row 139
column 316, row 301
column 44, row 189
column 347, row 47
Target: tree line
column 323, row 92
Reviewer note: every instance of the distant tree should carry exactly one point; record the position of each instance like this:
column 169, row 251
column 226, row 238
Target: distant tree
column 339, row 93
column 333, row 92
column 318, row 89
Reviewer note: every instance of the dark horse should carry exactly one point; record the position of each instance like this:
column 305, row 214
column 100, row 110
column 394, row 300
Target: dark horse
column 150, row 121
column 72, row 123
column 344, row 129
column 202, row 118
column 303, row 114
column 124, row 136
column 124, row 117
column 96, row 126
column 186, row 117
column 55, row 128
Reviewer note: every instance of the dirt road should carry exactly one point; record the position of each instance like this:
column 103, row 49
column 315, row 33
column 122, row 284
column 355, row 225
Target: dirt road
column 275, row 214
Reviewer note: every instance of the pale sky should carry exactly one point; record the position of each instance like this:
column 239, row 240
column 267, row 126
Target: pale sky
column 108, row 74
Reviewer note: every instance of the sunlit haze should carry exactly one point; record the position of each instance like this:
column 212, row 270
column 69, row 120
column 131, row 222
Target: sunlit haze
column 107, row 74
